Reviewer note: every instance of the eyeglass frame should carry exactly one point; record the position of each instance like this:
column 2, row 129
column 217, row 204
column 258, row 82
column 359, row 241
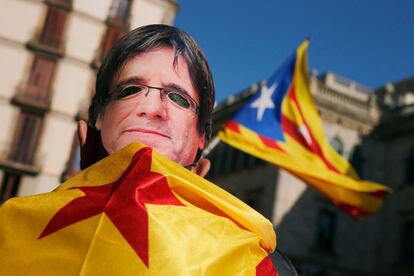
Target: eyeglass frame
column 163, row 94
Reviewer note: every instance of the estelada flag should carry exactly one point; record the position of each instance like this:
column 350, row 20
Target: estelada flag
column 280, row 124
column 134, row 213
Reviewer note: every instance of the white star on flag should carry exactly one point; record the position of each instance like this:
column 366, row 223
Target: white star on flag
column 264, row 101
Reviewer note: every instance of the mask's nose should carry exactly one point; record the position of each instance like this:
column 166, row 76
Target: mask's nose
column 152, row 105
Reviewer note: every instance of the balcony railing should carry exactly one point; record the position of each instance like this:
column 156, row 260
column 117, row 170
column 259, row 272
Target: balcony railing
column 63, row 4
column 53, row 51
column 12, row 164
column 405, row 110
column 27, row 98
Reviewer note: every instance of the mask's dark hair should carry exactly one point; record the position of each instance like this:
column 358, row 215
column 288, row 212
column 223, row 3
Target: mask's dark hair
column 147, row 38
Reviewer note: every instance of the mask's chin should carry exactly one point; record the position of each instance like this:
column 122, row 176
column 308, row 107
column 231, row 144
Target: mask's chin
column 160, row 144
column 153, row 141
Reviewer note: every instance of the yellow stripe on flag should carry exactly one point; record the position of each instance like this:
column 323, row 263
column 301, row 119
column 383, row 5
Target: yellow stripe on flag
column 307, row 105
column 337, row 186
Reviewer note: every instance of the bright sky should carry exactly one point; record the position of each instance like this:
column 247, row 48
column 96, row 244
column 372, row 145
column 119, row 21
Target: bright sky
column 371, row 42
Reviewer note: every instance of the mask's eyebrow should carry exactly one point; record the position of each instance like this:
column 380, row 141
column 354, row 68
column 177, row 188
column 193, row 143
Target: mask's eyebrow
column 177, row 87
column 131, row 80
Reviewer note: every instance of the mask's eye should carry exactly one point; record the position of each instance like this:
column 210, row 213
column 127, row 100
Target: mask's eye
column 179, row 99
column 129, row 90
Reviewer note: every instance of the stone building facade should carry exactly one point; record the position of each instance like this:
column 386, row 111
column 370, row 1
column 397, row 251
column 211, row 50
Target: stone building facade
column 389, row 155
column 50, row 51
column 317, row 236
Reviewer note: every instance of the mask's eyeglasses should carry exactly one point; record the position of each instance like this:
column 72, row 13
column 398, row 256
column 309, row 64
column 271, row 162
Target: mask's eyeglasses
column 175, row 96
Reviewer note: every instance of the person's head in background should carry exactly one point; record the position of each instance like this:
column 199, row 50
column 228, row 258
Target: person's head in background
column 155, row 86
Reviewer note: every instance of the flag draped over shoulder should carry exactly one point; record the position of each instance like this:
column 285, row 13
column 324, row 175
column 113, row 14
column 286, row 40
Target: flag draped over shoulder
column 281, row 125
column 134, row 213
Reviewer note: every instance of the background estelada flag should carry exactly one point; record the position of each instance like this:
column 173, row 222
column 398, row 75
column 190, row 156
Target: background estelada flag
column 281, row 125
column 134, row 213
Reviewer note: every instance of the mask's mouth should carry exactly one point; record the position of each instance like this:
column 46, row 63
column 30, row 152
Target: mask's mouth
column 147, row 131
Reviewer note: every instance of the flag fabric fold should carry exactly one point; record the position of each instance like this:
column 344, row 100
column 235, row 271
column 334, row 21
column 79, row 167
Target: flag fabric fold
column 280, row 124
column 134, row 213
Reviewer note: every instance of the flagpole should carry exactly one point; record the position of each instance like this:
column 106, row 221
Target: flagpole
column 211, row 145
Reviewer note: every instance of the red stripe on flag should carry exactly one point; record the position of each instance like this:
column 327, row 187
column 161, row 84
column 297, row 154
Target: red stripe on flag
column 351, row 210
column 314, row 145
column 233, row 126
column 266, row 267
column 270, row 143
column 379, row 194
column 293, row 130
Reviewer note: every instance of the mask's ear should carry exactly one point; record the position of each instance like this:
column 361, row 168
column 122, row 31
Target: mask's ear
column 202, row 141
column 202, row 167
column 91, row 149
column 200, row 145
column 82, row 131
column 98, row 123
